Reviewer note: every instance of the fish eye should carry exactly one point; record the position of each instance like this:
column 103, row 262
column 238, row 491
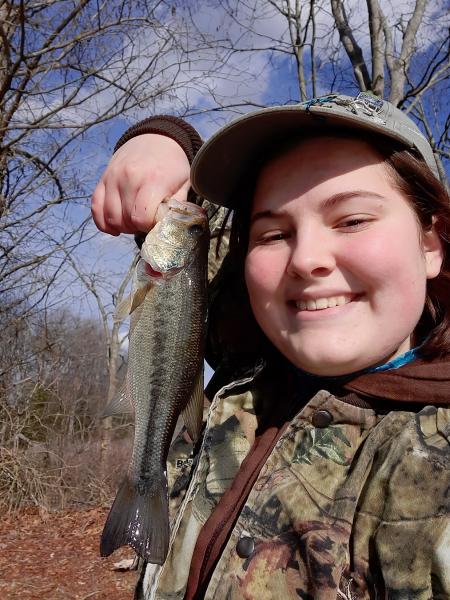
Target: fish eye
column 195, row 230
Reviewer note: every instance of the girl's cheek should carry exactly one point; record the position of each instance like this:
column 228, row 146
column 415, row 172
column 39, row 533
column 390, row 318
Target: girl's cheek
column 255, row 277
column 373, row 255
column 264, row 269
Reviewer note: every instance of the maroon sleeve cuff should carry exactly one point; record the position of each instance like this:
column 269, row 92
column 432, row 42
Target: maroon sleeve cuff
column 174, row 127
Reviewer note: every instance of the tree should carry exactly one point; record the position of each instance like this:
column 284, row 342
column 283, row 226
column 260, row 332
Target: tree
column 53, row 384
column 75, row 73
column 310, row 47
column 66, row 67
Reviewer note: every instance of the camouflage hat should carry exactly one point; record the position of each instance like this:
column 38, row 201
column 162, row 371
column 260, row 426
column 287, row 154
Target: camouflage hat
column 227, row 157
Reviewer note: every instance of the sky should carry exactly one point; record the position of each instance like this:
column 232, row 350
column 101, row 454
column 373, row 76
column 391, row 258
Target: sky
column 246, row 80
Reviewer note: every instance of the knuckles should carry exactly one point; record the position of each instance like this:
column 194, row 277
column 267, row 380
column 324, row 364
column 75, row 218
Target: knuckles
column 138, row 173
column 125, row 182
column 131, row 170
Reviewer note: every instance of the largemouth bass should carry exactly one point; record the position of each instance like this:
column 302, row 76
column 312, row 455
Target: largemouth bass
column 165, row 373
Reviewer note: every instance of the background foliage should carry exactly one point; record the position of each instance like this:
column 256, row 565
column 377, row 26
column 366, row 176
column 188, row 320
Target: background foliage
column 73, row 75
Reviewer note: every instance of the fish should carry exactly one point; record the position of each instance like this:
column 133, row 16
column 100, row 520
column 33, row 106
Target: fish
column 168, row 307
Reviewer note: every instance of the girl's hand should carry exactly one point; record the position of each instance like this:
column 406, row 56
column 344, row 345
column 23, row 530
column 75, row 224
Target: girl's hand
column 144, row 171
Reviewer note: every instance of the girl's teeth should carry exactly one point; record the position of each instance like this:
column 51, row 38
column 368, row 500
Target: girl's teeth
column 322, row 303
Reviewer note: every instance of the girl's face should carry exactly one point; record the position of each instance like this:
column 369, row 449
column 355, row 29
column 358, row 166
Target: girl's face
column 337, row 263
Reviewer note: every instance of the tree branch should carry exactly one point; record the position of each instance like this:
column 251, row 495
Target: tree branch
column 351, row 47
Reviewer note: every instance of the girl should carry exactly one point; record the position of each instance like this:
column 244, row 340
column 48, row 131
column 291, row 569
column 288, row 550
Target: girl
column 323, row 471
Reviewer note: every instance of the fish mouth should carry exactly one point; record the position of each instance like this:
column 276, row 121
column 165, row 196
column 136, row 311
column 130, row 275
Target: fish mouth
column 152, row 272
column 180, row 210
column 156, row 274
column 186, row 209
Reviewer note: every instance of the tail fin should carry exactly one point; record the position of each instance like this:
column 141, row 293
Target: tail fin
column 139, row 518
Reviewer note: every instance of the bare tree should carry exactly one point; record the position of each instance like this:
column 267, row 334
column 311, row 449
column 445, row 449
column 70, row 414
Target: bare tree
column 397, row 52
column 410, row 62
column 66, row 67
column 74, row 73
column 53, row 374
column 113, row 342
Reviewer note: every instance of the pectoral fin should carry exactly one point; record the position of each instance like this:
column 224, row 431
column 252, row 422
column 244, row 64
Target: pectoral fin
column 193, row 413
column 129, row 305
column 139, row 296
column 123, row 309
column 119, row 405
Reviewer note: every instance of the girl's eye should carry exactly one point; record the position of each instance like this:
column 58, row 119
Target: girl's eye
column 272, row 237
column 354, row 224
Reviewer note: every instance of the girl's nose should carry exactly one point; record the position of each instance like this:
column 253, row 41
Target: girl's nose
column 312, row 255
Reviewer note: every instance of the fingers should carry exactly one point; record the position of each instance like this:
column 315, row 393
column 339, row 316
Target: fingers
column 145, row 205
column 108, row 215
column 97, row 210
column 114, row 209
column 128, row 211
column 142, row 173
column 148, row 198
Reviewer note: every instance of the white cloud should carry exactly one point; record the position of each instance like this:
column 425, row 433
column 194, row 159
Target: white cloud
column 218, row 71
column 207, row 63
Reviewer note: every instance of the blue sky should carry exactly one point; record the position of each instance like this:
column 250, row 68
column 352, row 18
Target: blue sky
column 225, row 72
column 248, row 79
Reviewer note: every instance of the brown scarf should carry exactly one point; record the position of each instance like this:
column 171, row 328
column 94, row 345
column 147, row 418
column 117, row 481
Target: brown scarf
column 420, row 382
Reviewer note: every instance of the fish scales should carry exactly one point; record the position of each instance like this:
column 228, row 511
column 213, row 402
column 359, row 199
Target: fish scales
column 170, row 322
column 165, row 361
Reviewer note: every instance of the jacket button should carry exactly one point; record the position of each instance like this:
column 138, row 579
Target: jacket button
column 321, row 418
column 245, row 547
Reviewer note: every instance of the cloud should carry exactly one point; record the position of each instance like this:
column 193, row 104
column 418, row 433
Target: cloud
column 208, row 55
column 213, row 54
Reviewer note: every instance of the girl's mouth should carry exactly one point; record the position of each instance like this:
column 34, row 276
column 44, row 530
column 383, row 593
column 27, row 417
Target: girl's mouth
column 324, row 303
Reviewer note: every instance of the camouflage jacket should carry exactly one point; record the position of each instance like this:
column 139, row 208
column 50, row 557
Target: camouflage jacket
column 353, row 506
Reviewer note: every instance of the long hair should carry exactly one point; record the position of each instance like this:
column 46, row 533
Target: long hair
column 431, row 203
column 426, row 195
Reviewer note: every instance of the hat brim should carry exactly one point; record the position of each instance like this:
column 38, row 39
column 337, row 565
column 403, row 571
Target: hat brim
column 229, row 156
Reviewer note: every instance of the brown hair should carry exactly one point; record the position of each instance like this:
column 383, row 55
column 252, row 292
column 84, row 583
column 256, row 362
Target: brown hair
column 431, row 203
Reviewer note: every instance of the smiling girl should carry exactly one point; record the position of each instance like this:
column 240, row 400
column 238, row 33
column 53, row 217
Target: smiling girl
column 336, row 255
column 323, row 471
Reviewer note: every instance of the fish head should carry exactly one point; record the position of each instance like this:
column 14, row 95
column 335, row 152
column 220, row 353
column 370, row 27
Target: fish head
column 170, row 246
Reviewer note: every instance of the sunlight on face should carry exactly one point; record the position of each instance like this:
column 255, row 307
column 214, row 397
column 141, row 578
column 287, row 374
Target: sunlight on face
column 336, row 267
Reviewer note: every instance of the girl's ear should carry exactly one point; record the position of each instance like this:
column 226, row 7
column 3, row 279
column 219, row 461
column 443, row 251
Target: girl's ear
column 433, row 251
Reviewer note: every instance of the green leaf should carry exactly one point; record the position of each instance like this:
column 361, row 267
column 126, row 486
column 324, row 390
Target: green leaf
column 333, row 453
column 337, row 431
column 322, row 443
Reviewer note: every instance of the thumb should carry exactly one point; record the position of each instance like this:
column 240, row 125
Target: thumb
column 182, row 193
